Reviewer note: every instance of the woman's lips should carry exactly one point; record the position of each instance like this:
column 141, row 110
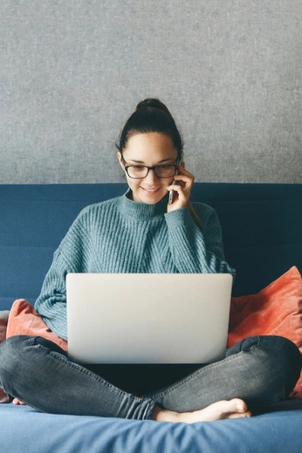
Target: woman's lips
column 150, row 191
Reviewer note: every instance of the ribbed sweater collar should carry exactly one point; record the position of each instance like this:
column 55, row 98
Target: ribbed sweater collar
column 142, row 211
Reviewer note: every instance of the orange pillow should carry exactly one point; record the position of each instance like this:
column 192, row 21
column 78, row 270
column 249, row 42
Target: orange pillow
column 276, row 310
column 24, row 320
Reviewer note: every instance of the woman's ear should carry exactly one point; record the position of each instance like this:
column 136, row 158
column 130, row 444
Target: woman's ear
column 120, row 159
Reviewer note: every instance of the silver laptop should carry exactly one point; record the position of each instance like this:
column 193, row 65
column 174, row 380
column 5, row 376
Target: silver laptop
column 147, row 318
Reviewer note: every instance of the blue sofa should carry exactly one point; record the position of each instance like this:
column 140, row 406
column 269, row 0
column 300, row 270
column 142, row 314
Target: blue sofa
column 262, row 226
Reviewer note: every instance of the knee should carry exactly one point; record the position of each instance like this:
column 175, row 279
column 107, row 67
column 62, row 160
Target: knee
column 275, row 348
column 278, row 358
column 11, row 357
column 12, row 346
column 20, row 350
column 21, row 357
column 12, row 354
column 283, row 351
column 284, row 363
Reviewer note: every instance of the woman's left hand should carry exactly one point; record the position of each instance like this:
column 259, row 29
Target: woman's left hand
column 181, row 190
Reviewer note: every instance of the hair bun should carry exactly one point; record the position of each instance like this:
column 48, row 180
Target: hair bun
column 153, row 103
column 151, row 115
column 149, row 103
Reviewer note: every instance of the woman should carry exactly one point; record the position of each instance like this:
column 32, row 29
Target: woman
column 143, row 232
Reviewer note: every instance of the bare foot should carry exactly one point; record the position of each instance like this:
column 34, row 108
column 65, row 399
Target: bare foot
column 235, row 408
column 18, row 402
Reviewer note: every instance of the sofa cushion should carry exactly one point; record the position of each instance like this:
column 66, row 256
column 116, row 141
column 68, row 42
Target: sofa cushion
column 24, row 320
column 26, row 429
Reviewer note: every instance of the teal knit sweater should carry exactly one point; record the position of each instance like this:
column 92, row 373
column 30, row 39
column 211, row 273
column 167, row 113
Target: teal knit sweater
column 120, row 235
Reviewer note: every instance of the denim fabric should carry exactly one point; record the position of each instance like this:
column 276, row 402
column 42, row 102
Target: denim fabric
column 38, row 372
column 260, row 370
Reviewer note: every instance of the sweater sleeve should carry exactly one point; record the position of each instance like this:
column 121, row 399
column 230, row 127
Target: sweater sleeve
column 71, row 256
column 197, row 248
column 51, row 303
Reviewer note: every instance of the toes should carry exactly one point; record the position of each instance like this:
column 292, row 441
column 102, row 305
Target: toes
column 240, row 415
column 237, row 405
column 234, row 408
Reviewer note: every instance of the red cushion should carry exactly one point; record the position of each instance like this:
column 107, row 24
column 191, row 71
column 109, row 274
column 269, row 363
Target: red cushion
column 24, row 320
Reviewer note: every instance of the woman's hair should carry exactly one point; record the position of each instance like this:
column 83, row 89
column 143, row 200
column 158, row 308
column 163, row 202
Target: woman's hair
column 151, row 115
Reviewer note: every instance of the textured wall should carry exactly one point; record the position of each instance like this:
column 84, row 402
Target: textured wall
column 72, row 71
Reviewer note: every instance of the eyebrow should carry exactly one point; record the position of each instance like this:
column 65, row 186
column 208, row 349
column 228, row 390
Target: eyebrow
column 160, row 162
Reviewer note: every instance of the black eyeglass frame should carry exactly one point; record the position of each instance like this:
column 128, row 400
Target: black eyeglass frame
column 151, row 168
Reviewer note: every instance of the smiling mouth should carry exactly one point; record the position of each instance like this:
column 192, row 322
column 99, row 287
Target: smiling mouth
column 150, row 191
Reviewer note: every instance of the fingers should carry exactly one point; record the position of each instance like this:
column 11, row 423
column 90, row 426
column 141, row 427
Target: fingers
column 184, row 183
column 185, row 177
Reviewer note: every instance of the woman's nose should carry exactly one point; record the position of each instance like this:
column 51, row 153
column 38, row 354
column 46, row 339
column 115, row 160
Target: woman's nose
column 151, row 176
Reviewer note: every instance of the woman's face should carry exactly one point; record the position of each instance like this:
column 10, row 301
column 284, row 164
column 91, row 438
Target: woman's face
column 152, row 148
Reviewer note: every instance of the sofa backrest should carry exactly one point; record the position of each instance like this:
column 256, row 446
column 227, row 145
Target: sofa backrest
column 261, row 223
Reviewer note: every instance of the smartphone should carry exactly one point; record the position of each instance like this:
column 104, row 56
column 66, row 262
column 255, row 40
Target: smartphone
column 171, row 193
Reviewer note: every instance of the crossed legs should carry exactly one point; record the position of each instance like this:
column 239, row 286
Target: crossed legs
column 255, row 372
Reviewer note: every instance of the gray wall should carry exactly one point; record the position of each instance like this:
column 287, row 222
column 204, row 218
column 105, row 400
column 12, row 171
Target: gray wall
column 72, row 71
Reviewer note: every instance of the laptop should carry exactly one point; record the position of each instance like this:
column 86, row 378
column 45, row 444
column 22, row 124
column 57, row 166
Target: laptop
column 147, row 318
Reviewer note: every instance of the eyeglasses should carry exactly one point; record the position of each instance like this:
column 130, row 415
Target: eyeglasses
column 141, row 171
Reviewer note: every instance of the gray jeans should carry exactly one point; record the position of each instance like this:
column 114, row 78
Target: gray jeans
column 259, row 370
